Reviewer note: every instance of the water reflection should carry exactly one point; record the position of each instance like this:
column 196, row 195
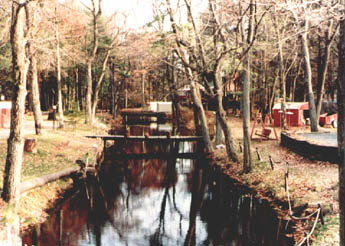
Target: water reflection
column 160, row 202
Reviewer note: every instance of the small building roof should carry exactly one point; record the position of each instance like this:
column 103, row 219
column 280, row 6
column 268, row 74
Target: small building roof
column 293, row 105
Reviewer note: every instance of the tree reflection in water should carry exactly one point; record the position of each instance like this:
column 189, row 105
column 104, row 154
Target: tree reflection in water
column 160, row 202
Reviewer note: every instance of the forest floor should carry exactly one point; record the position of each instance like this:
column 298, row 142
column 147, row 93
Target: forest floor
column 312, row 182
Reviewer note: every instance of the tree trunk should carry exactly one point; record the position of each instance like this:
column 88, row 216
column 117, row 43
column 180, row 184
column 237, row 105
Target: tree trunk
column 341, row 128
column 173, row 92
column 247, row 158
column 68, row 99
column 80, row 92
column 88, row 104
column 292, row 96
column 120, row 89
column 321, row 82
column 218, row 50
column 282, row 74
column 273, row 95
column 143, row 89
column 282, row 84
column 308, row 79
column 36, row 104
column 37, row 182
column 183, row 55
column 126, row 97
column 33, row 73
column 219, row 131
column 15, row 142
column 117, row 87
column 221, row 115
column 323, row 68
column 112, row 88
column 99, row 85
column 76, row 90
column 58, row 71
column 117, row 96
column 96, row 14
column 199, row 108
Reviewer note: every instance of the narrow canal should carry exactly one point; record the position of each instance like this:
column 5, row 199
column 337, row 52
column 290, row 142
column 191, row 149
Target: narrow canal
column 159, row 202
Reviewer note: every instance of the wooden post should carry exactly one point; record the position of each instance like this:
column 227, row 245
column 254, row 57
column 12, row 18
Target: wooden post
column 38, row 234
column 287, row 169
column 61, row 227
column 321, row 214
column 271, row 161
column 258, row 154
column 104, row 146
column 126, row 98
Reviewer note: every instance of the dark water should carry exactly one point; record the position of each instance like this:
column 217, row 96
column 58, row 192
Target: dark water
column 160, row 202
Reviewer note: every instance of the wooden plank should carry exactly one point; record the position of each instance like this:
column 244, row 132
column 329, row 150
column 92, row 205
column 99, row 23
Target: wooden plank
column 148, row 138
column 144, row 113
column 158, row 155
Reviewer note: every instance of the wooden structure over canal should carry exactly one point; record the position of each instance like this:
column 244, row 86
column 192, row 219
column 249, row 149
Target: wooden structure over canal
column 158, row 139
column 143, row 114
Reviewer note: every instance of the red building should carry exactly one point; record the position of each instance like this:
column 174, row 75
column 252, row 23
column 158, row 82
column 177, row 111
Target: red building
column 5, row 114
column 294, row 113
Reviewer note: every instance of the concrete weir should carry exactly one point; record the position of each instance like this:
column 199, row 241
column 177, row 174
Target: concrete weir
column 314, row 146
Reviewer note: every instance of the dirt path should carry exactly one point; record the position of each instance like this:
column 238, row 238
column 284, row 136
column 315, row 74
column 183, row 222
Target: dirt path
column 29, row 128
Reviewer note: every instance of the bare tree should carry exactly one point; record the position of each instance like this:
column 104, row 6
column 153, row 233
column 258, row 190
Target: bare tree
column 58, row 73
column 247, row 39
column 220, row 50
column 33, row 71
column 324, row 58
column 117, row 84
column 286, row 62
column 93, row 89
column 308, row 76
column 99, row 81
column 96, row 14
column 34, row 90
column 183, row 53
column 20, row 66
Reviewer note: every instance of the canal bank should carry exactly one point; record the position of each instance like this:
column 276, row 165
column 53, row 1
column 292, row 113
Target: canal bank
column 310, row 182
column 57, row 150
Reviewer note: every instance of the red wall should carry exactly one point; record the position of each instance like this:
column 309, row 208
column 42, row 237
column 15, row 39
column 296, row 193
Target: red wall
column 294, row 119
column 5, row 116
